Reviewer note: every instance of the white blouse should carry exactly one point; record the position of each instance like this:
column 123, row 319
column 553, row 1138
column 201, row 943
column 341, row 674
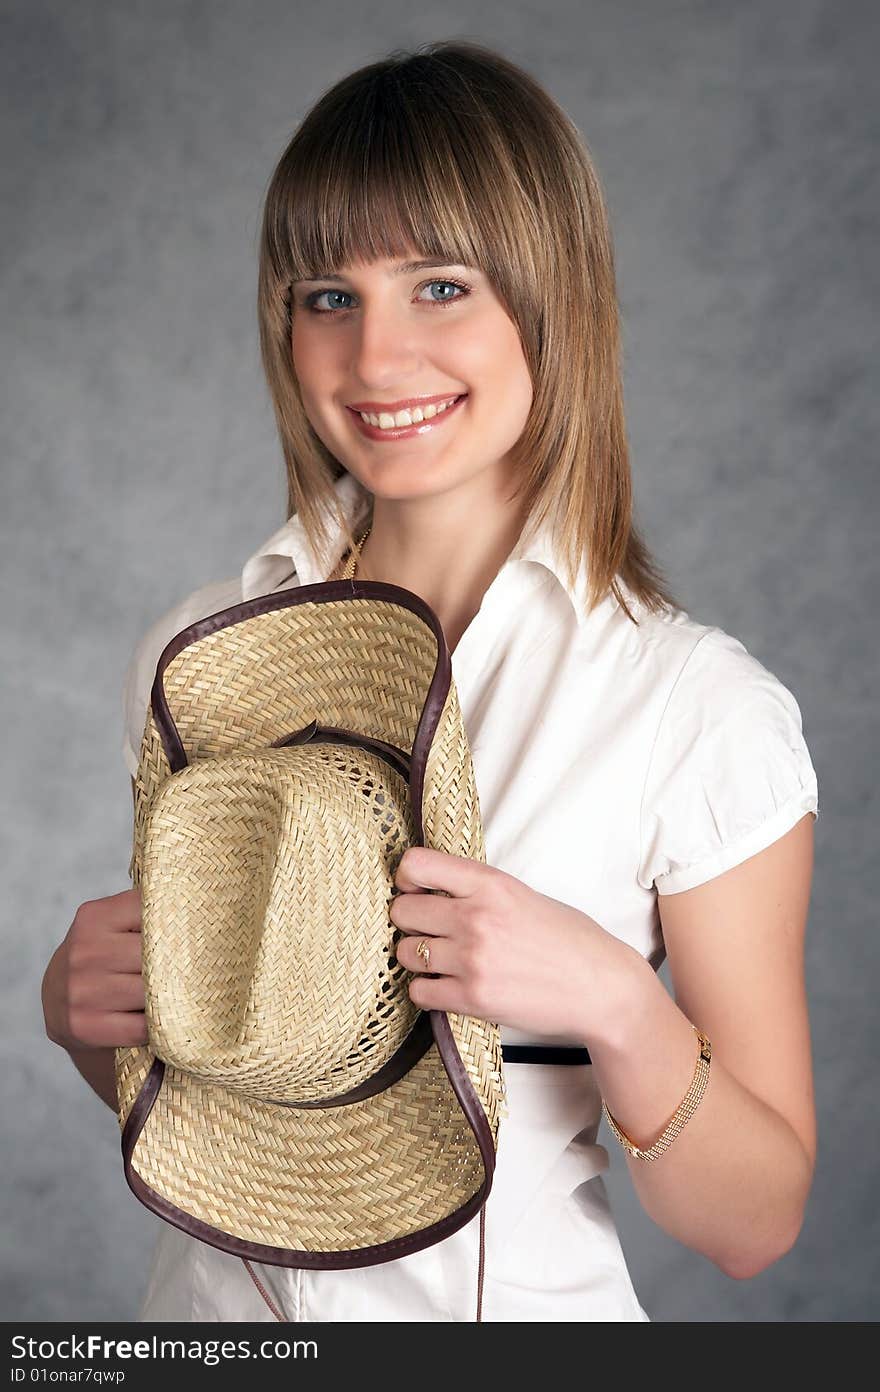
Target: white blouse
column 613, row 763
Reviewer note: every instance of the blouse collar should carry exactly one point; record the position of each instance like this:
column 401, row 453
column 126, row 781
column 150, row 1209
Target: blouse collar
column 287, row 554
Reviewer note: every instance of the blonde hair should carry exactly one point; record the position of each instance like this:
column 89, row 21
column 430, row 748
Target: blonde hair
column 455, row 151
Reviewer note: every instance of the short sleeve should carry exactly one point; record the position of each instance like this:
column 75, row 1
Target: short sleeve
column 729, row 772
column 141, row 670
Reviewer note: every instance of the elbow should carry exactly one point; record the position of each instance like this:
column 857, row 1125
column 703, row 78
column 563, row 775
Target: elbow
column 744, row 1266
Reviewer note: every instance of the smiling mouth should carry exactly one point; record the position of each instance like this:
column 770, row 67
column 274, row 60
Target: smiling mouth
column 408, row 415
column 419, row 421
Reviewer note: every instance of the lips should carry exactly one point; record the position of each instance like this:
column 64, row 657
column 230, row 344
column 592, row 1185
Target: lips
column 376, row 407
column 404, row 432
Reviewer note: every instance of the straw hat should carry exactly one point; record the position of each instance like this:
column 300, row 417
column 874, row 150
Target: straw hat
column 293, row 1106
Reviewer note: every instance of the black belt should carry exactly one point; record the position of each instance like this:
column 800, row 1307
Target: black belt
column 537, row 1053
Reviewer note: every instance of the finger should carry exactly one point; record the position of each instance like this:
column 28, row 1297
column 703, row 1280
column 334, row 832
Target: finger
column 423, row 867
column 123, row 953
column 129, row 907
column 119, row 913
column 441, row 955
column 128, row 991
column 117, row 1029
column 422, row 913
column 436, row 993
column 121, row 991
column 127, row 1028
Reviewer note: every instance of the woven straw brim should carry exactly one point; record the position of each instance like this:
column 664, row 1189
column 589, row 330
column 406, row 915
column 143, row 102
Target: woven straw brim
column 354, row 1176
column 363, row 1174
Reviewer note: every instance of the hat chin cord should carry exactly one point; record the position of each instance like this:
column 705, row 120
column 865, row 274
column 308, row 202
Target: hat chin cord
column 279, row 1316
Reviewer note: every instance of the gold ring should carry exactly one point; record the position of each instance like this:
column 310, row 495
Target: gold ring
column 423, row 950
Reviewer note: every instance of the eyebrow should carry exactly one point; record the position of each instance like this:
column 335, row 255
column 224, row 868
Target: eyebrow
column 402, row 268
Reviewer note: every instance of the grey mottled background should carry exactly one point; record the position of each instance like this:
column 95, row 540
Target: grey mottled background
column 737, row 144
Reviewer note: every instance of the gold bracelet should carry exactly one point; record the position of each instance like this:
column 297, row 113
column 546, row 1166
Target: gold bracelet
column 684, row 1112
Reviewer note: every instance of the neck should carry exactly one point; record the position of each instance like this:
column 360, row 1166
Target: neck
column 447, row 549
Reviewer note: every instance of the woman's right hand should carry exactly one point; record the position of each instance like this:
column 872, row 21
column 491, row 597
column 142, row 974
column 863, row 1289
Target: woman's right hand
column 93, row 991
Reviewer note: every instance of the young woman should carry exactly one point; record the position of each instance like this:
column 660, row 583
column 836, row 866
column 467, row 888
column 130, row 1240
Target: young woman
column 439, row 328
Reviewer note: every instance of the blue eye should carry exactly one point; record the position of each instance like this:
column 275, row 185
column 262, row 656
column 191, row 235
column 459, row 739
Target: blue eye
column 447, row 299
column 311, row 301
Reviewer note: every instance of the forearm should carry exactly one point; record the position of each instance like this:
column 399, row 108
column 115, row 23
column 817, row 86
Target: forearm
column 734, row 1182
column 98, row 1067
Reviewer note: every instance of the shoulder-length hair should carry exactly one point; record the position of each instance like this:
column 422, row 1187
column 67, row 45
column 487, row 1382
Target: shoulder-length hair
column 455, row 151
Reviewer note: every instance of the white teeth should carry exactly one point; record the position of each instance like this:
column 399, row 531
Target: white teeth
column 385, row 420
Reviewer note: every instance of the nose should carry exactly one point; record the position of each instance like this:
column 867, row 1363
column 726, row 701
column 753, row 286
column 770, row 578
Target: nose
column 386, row 349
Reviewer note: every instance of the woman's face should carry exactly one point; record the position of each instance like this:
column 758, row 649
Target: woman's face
column 386, row 337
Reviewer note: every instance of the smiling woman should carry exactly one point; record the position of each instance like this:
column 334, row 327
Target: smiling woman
column 439, row 329
column 387, row 178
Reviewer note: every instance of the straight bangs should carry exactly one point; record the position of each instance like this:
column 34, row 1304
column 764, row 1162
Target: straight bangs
column 453, row 152
column 383, row 167
column 384, row 176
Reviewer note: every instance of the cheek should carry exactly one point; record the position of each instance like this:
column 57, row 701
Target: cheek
column 310, row 354
column 312, row 371
column 507, row 378
column 519, row 384
column 489, row 356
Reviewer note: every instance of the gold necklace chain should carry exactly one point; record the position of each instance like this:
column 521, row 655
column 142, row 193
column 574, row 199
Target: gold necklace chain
column 350, row 566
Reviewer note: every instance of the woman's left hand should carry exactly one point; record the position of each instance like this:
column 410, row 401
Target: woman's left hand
column 502, row 951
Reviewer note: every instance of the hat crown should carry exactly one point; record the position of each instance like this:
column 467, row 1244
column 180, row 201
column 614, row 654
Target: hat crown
column 283, row 985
